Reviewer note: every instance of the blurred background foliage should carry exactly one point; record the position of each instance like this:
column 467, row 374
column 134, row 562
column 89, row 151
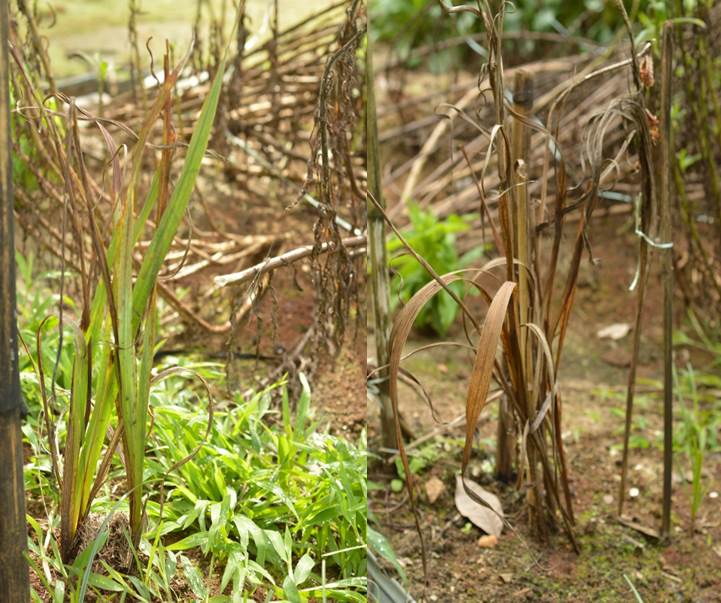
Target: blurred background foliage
column 408, row 25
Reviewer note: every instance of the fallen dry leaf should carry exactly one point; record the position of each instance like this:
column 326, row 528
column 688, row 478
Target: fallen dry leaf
column 434, row 488
column 506, row 577
column 488, row 517
column 616, row 331
column 488, row 541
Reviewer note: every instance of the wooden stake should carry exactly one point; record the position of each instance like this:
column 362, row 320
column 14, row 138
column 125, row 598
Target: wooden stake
column 378, row 258
column 14, row 586
column 522, row 229
column 665, row 168
column 520, row 139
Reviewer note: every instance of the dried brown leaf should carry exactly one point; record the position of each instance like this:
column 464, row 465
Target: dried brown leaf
column 483, row 364
column 487, row 515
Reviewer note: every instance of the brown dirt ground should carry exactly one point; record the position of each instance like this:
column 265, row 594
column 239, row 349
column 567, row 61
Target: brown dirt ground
column 592, row 382
column 283, row 313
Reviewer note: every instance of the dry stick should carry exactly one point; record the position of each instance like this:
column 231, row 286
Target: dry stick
column 643, row 278
column 283, row 260
column 218, row 259
column 665, row 231
column 135, row 71
column 505, row 441
column 37, row 42
column 484, row 211
column 378, row 257
column 273, row 57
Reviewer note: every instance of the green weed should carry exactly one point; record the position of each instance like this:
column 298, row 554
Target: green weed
column 697, row 434
column 263, row 501
column 435, row 240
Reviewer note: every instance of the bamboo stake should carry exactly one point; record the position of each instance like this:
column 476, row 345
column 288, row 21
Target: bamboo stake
column 14, row 586
column 378, row 258
column 665, row 231
column 520, row 139
column 522, row 229
column 505, row 442
column 631, row 383
column 522, row 105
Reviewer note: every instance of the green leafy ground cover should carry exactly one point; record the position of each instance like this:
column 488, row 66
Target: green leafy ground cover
column 254, row 501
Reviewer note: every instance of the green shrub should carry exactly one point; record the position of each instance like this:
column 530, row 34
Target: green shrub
column 435, row 240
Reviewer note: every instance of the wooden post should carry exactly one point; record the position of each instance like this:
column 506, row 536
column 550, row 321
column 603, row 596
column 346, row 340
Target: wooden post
column 522, row 232
column 520, row 141
column 522, row 244
column 13, row 532
column 665, row 167
column 378, row 257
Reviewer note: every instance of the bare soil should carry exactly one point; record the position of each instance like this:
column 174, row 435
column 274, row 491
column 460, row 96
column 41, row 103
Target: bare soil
column 283, row 311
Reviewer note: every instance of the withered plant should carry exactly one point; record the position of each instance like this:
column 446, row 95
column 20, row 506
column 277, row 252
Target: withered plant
column 529, row 298
column 519, row 314
column 329, row 185
column 334, row 144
